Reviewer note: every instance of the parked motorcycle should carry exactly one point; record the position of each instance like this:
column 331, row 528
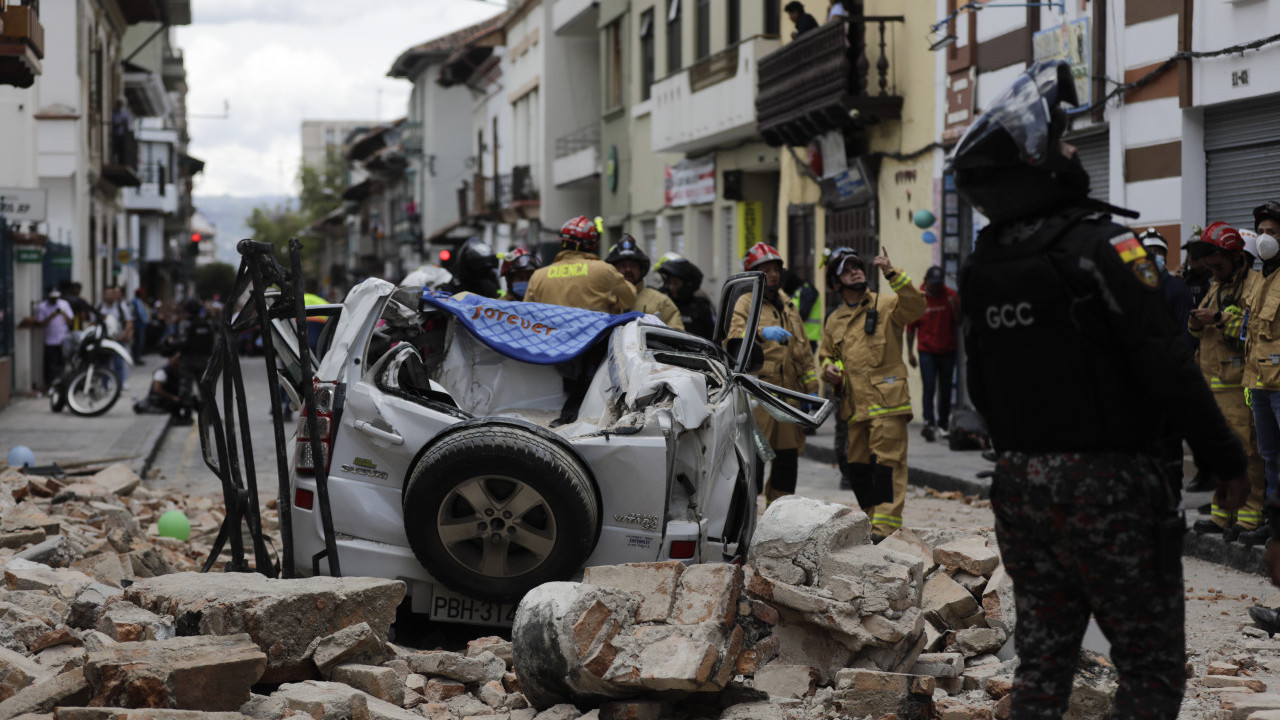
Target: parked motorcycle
column 87, row 384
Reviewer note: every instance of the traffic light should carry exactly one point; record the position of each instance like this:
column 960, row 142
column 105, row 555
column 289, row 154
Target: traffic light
column 445, row 255
column 195, row 237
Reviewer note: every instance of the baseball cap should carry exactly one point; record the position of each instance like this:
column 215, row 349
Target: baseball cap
column 934, row 275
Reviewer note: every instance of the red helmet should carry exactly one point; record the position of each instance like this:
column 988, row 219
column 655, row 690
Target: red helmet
column 1223, row 237
column 580, row 234
column 519, row 260
column 759, row 254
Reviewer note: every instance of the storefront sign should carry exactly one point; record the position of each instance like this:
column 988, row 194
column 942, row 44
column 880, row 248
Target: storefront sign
column 28, row 255
column 851, row 184
column 691, row 181
column 23, row 204
column 1070, row 42
column 750, row 225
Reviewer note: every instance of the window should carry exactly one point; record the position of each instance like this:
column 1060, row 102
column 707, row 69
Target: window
column 702, row 43
column 674, row 36
column 613, row 65
column 646, row 53
column 772, row 17
column 649, row 237
column 734, row 22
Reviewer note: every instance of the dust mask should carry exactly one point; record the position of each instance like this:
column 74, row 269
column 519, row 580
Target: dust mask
column 1268, row 247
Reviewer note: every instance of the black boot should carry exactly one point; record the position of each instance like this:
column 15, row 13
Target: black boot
column 1257, row 536
column 1266, row 618
column 1206, row 527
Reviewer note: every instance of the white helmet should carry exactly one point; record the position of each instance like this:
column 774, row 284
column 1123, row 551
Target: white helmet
column 1250, row 241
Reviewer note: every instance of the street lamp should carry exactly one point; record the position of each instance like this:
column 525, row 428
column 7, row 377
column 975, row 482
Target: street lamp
column 949, row 39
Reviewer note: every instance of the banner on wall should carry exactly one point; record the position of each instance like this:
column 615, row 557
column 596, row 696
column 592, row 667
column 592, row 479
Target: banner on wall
column 692, row 181
column 750, row 225
column 1070, row 42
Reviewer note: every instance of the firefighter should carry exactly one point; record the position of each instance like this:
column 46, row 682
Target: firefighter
column 1218, row 325
column 631, row 261
column 833, row 330
column 788, row 363
column 868, row 338
column 518, row 266
column 578, row 277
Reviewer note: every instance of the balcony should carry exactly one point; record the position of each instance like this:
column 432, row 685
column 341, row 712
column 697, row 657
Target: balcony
column 711, row 102
column 577, row 156
column 121, row 169
column 21, row 46
column 173, row 71
column 821, row 82
column 575, row 17
column 156, row 194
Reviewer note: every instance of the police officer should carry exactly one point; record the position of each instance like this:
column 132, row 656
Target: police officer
column 473, row 269
column 578, row 277
column 1218, row 325
column 631, row 261
column 1075, row 364
column 808, row 302
column 868, row 340
column 681, row 280
column 517, row 268
column 788, row 363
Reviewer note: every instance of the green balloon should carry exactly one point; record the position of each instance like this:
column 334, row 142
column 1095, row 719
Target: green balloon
column 923, row 218
column 174, row 524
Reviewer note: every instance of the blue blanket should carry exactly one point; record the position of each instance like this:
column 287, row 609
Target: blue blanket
column 531, row 332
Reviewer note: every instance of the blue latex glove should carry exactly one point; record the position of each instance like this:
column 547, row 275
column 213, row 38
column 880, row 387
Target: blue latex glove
column 775, row 333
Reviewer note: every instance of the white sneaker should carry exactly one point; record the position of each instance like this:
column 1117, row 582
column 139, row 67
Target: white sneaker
column 942, row 433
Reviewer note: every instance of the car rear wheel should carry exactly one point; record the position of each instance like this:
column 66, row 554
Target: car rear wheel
column 493, row 511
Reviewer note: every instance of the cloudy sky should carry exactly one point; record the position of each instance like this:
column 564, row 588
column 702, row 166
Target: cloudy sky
column 277, row 63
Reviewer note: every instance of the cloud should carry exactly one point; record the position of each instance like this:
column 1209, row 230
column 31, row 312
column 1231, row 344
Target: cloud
column 280, row 62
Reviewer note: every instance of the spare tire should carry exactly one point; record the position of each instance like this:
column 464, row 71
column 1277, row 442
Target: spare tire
column 493, row 511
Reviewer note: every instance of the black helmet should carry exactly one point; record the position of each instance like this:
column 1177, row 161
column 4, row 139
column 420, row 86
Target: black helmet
column 836, row 259
column 628, row 249
column 1008, row 164
column 475, row 258
column 673, row 265
column 1268, row 210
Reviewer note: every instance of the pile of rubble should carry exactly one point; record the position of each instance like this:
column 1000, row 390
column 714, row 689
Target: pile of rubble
column 101, row 619
column 821, row 623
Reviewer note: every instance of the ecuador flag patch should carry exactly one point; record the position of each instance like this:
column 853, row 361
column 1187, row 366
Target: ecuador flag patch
column 1128, row 247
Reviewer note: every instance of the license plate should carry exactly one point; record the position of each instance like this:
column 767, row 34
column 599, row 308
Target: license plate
column 448, row 606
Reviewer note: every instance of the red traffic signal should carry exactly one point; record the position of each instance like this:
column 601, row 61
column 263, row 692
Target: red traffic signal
column 195, row 237
column 445, row 255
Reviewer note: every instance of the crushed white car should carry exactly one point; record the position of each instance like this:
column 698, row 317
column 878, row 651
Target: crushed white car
column 445, row 470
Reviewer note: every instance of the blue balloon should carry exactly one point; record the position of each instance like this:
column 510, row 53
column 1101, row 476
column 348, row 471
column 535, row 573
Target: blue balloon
column 21, row 455
column 928, row 237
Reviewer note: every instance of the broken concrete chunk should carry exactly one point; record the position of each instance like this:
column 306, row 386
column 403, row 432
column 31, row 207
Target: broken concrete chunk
column 563, row 711
column 972, row 642
column 324, row 700
column 969, row 554
column 125, row 622
column 116, row 479
column 56, row 552
column 887, row 578
column 1219, row 667
column 635, row 710
column 104, row 567
column 441, row 663
column 1242, row 705
column 677, row 663
column 353, row 644
column 440, row 689
column 707, row 593
column 788, row 681
column 867, row 692
column 68, row 688
column 795, row 534
column 997, row 602
column 16, row 534
column 380, row 682
column 492, row 643
column 946, row 603
column 17, row 671
column 187, row 673
column 947, row 665
column 49, row 609
column 1227, row 681
column 282, row 617
column 653, row 583
column 22, row 574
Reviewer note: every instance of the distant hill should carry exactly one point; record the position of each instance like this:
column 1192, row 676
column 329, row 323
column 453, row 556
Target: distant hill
column 228, row 213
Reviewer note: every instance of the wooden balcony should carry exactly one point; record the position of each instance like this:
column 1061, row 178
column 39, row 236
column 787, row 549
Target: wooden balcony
column 823, row 80
column 21, row 46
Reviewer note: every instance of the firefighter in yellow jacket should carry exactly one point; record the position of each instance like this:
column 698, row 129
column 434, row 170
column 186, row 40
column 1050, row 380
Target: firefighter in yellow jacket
column 578, row 277
column 1262, row 348
column 868, row 342
column 1218, row 324
column 631, row 261
column 788, row 363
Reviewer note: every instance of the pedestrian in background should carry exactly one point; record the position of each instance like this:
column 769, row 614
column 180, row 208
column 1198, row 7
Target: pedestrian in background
column 55, row 316
column 141, row 321
column 788, row 363
column 115, row 312
column 938, row 345
column 1075, row 363
column 869, row 341
column 803, row 21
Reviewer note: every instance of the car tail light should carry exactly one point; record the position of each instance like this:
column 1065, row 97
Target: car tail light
column 683, row 549
column 306, row 462
column 303, row 498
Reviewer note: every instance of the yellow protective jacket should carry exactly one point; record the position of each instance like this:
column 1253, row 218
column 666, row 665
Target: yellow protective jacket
column 833, row 331
column 655, row 302
column 581, row 279
column 1262, row 347
column 1221, row 351
column 789, row 366
column 874, row 372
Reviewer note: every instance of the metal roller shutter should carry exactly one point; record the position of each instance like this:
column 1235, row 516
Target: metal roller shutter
column 1094, row 149
column 1242, row 152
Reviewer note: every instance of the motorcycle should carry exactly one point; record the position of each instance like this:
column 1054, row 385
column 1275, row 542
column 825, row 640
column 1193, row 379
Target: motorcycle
column 87, row 385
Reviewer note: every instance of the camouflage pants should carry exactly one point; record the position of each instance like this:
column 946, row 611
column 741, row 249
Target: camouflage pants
column 1092, row 533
